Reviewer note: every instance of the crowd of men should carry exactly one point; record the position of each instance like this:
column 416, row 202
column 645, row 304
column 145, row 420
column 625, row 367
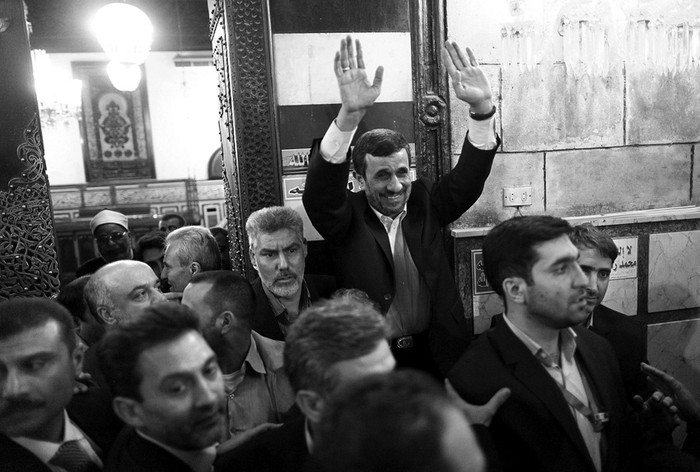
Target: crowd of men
column 164, row 359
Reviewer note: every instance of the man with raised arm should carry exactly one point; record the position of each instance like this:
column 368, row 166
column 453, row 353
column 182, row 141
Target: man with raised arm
column 387, row 239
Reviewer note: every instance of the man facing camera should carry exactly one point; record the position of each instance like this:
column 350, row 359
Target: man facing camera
column 111, row 232
column 597, row 252
column 278, row 253
column 168, row 388
column 387, row 240
column 39, row 361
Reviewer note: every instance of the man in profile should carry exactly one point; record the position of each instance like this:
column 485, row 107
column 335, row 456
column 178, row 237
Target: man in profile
column 397, row 421
column 256, row 385
column 597, row 252
column 278, row 252
column 189, row 251
column 333, row 343
column 121, row 290
column 39, row 361
column 111, row 232
column 170, row 222
column 167, row 388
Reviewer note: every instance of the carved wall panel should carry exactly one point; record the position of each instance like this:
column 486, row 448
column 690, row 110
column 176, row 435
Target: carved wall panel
column 28, row 262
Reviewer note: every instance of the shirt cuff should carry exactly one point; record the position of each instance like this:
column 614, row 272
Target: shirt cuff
column 335, row 144
column 482, row 134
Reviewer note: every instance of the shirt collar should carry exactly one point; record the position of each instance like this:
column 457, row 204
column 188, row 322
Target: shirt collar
column 567, row 342
column 45, row 450
column 200, row 460
column 278, row 307
column 386, row 219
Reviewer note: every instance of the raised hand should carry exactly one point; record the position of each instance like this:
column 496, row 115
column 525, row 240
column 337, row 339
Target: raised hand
column 688, row 406
column 468, row 80
column 357, row 94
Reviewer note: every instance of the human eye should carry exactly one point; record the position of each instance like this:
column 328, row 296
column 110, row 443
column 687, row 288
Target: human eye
column 604, row 274
column 139, row 295
column 211, row 370
column 175, row 387
column 35, row 364
column 586, row 269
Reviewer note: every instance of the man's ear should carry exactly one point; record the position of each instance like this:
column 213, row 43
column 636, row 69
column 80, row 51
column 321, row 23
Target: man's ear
column 253, row 260
column 225, row 322
column 515, row 289
column 129, row 411
column 360, row 179
column 105, row 315
column 78, row 356
column 195, row 268
column 311, row 404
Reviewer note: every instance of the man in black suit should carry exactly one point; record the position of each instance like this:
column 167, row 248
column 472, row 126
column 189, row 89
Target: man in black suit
column 597, row 252
column 168, row 388
column 387, row 239
column 567, row 407
column 39, row 361
column 278, row 252
column 334, row 342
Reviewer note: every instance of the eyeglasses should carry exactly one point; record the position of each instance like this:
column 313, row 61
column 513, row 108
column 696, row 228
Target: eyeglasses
column 115, row 236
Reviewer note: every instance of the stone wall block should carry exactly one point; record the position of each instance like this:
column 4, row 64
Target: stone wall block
column 594, row 181
column 509, row 170
column 663, row 108
column 546, row 108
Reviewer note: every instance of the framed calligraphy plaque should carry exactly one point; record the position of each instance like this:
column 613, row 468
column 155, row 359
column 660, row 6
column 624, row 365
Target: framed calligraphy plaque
column 480, row 285
column 115, row 127
column 625, row 266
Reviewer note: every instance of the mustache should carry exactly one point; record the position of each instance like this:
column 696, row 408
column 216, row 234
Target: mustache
column 286, row 274
column 17, row 405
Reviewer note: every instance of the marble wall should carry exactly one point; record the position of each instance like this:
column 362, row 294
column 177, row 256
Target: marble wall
column 674, row 271
column 675, row 348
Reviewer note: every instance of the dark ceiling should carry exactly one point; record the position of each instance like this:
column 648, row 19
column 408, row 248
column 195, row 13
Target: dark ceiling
column 63, row 25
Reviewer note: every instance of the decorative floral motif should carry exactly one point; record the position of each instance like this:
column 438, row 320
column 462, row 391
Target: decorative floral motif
column 116, row 128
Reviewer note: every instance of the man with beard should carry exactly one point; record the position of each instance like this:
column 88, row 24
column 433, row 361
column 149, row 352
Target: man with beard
column 278, row 252
column 387, row 239
column 597, row 252
column 111, row 232
column 168, row 388
column 39, row 361
column 256, row 384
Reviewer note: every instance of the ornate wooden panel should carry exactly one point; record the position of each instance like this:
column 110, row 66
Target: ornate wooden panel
column 28, row 262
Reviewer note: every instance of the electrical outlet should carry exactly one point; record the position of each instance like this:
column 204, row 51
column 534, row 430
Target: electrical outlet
column 517, row 196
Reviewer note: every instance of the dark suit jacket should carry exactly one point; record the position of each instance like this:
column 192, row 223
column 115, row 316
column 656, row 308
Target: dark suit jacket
column 360, row 247
column 281, row 449
column 132, row 453
column 320, row 286
column 629, row 341
column 15, row 458
column 535, row 428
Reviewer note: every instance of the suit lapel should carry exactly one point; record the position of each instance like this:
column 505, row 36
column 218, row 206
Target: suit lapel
column 533, row 376
column 412, row 229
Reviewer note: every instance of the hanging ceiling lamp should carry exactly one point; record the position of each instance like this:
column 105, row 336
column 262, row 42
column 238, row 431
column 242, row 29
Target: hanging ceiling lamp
column 125, row 33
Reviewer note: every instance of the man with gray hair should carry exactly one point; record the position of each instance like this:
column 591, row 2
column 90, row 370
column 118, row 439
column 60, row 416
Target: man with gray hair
column 278, row 252
column 189, row 250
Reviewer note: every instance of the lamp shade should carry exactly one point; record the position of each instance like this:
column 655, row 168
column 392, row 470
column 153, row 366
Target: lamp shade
column 124, row 76
column 124, row 32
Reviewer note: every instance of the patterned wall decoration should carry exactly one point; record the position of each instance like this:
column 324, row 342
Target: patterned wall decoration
column 117, row 143
column 28, row 264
